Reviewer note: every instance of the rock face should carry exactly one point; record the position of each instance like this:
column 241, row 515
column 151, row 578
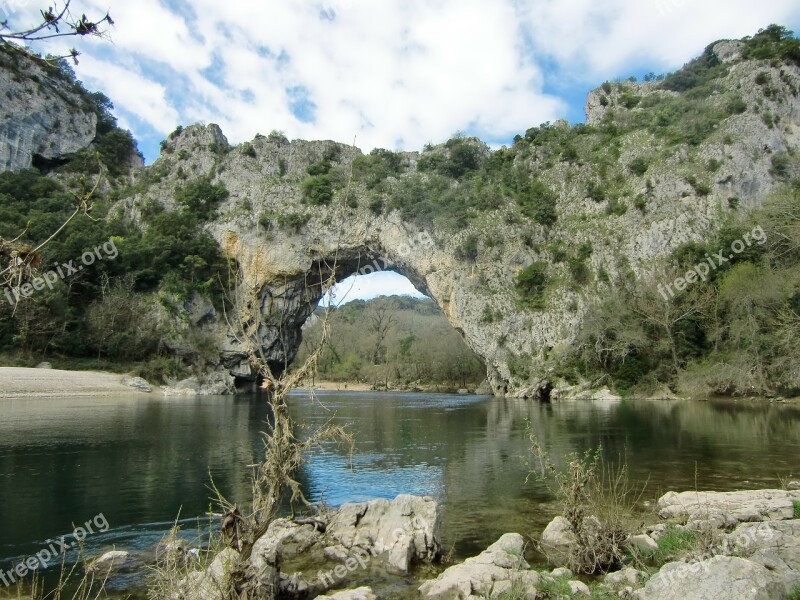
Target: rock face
column 719, row 577
column 494, row 572
column 40, row 116
column 732, row 507
column 286, row 247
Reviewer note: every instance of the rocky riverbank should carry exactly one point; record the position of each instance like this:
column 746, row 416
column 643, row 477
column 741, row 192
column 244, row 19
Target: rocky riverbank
column 733, row 545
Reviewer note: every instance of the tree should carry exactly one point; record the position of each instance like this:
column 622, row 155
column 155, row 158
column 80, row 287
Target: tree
column 380, row 322
column 56, row 22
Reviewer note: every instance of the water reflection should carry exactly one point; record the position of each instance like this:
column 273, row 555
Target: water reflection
column 141, row 461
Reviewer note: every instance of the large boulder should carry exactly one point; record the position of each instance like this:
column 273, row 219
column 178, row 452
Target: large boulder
column 406, row 528
column 720, row 577
column 755, row 505
column 495, row 571
column 775, row 545
column 558, row 537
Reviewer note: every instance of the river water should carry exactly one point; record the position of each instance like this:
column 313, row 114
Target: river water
column 142, row 463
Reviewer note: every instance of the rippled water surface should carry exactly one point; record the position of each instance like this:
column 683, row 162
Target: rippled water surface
column 142, row 462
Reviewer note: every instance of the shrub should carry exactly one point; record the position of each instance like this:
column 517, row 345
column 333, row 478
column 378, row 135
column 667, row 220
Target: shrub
column 781, row 165
column 597, row 501
column 630, row 100
column 736, row 106
column 616, row 207
column 531, row 284
column 468, row 249
column 713, row 165
column 201, row 198
column 538, row 202
column 248, row 150
column 596, row 191
column 796, row 505
column 317, row 189
column 639, row 166
column 640, row 202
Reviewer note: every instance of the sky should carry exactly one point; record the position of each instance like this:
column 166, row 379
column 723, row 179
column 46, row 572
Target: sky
column 394, row 74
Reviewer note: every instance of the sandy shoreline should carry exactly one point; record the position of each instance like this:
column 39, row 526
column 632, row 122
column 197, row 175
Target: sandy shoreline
column 42, row 383
column 338, row 387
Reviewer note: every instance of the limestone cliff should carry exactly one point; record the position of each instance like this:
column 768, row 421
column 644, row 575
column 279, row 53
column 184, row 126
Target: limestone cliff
column 43, row 116
column 651, row 169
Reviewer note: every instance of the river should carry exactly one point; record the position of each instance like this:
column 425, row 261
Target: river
column 142, row 463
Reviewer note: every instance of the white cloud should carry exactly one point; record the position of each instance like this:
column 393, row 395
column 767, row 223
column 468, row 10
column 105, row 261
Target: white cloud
column 131, row 91
column 395, row 72
column 600, row 39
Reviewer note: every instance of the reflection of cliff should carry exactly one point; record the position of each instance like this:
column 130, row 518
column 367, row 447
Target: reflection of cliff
column 135, row 460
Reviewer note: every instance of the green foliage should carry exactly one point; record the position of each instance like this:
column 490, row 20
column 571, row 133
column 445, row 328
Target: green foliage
column 796, row 505
column 773, row 43
column 701, row 188
column 419, row 347
column 317, row 189
column 375, row 167
column 639, row 166
column 461, row 156
column 781, row 165
column 629, row 100
column 531, row 284
column 293, row 221
column 616, row 207
column 696, row 74
column 201, row 198
column 537, row 201
column 675, row 542
column 248, row 150
column 795, row 593
column 172, row 253
column 468, row 249
column 736, row 106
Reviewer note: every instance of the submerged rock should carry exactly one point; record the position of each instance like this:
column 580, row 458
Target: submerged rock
column 109, row 561
column 362, row 593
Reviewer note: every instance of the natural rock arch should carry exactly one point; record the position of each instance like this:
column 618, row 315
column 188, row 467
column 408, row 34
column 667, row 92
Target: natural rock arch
column 287, row 278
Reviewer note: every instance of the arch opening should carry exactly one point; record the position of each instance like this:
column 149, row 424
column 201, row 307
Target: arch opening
column 387, row 334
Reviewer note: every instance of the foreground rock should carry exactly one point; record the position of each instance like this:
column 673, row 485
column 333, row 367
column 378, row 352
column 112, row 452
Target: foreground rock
column 362, row 593
column 495, row 571
column 720, row 577
column 325, row 553
column 775, row 546
column 756, row 505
